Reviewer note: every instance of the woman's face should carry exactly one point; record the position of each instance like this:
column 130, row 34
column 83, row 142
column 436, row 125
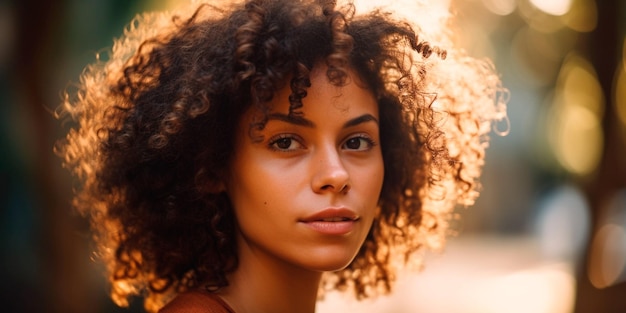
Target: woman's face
column 306, row 193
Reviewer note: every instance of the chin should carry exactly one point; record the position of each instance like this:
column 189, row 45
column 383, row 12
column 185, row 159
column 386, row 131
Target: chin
column 329, row 261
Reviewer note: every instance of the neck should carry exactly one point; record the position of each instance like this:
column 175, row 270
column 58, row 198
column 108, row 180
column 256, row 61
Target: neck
column 263, row 283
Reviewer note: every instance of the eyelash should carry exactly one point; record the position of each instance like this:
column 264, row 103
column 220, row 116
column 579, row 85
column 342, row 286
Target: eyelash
column 370, row 142
column 276, row 139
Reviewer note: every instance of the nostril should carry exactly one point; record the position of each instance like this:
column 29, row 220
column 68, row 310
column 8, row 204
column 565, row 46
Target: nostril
column 345, row 188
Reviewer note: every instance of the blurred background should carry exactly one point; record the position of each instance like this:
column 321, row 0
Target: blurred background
column 547, row 235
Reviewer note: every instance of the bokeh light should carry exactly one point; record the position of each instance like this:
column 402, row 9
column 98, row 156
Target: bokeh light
column 539, row 19
column 607, row 264
column 574, row 128
column 500, row 7
column 582, row 17
column 553, row 7
column 608, row 255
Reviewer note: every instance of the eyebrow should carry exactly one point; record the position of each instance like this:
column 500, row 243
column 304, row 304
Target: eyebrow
column 301, row 121
column 359, row 120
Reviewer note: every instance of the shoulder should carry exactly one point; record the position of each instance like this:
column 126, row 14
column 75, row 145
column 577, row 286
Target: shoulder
column 196, row 302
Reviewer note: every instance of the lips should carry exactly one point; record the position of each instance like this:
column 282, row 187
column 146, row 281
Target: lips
column 332, row 215
column 336, row 219
column 332, row 221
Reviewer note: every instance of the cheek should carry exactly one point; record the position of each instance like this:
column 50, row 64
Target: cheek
column 255, row 191
column 377, row 186
column 376, row 179
column 373, row 177
column 368, row 182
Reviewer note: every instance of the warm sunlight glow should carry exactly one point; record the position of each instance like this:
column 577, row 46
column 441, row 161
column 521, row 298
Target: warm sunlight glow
column 553, row 7
column 482, row 274
column 431, row 14
column 500, row 7
column 550, row 287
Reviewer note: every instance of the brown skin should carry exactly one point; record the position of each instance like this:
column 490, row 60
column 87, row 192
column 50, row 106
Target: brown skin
column 298, row 169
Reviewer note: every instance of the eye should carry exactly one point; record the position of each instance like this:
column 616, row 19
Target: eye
column 285, row 143
column 359, row 143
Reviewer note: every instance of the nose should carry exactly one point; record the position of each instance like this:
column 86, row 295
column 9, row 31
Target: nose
column 330, row 174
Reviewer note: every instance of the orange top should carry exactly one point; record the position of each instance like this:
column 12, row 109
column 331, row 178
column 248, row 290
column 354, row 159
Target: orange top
column 196, row 301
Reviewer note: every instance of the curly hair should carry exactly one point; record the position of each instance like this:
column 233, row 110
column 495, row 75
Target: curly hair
column 156, row 123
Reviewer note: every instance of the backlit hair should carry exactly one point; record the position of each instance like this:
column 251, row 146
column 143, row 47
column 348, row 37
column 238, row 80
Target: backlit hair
column 155, row 125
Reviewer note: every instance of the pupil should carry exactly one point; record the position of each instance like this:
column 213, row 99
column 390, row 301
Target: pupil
column 284, row 143
column 353, row 143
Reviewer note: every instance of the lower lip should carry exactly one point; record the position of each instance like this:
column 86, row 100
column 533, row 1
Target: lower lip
column 331, row 228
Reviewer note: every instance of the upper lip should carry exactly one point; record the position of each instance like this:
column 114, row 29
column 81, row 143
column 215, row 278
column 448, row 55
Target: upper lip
column 332, row 215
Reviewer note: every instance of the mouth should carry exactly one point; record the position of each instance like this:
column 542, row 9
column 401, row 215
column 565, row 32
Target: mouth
column 337, row 219
column 332, row 215
column 332, row 221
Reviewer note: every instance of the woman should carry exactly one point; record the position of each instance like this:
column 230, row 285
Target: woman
column 253, row 154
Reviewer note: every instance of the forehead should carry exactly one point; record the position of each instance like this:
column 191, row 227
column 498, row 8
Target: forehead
column 324, row 102
column 353, row 93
